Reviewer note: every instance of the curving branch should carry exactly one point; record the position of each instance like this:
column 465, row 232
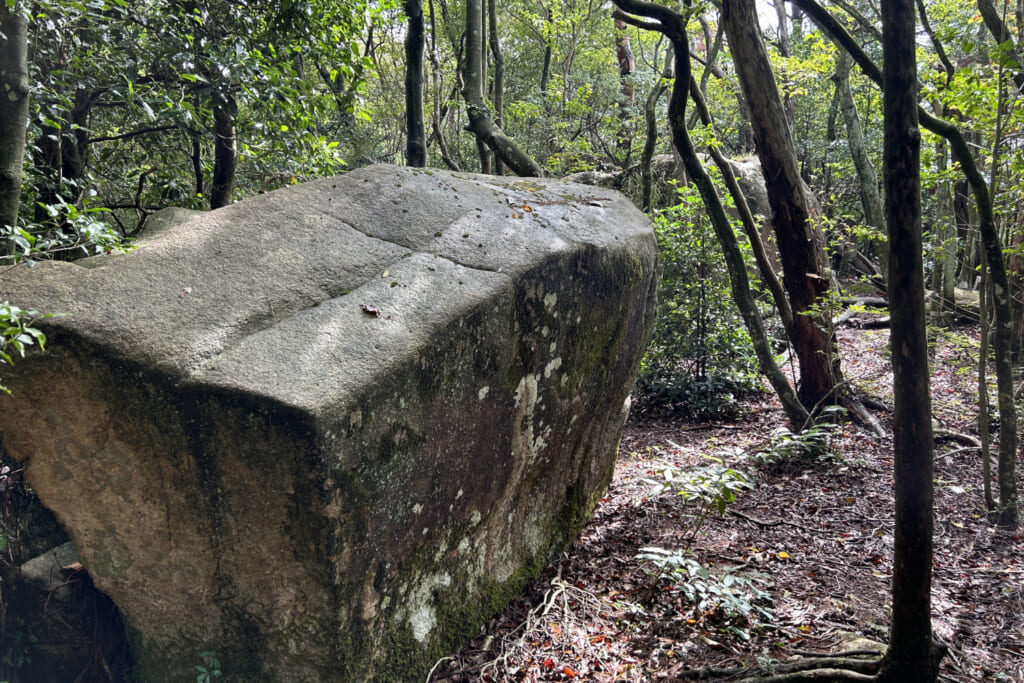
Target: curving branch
column 673, row 26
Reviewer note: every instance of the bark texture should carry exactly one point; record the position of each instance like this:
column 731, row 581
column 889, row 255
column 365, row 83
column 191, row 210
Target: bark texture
column 867, row 180
column 803, row 259
column 499, row 73
column 416, row 137
column 14, row 94
column 908, row 658
column 225, row 157
column 764, row 264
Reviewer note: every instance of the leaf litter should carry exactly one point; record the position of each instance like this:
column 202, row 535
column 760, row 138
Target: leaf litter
column 816, row 535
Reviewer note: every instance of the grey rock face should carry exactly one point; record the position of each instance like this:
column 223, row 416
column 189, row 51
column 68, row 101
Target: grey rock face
column 329, row 431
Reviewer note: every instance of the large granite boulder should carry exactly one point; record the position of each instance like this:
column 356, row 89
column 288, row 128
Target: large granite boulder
column 329, row 431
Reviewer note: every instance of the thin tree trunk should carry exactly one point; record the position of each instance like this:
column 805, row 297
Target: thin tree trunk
column 13, row 115
column 651, row 139
column 499, row 83
column 416, row 137
column 966, row 261
column 672, row 25
column 870, row 198
column 1007, row 513
column 764, row 264
column 785, row 51
column 983, row 402
column 830, row 137
column 545, row 72
column 196, row 159
column 499, row 73
column 803, row 261
column 436, row 117
column 944, row 272
column 225, row 159
column 710, row 61
column 479, row 37
column 627, row 65
column 909, row 657
column 480, row 122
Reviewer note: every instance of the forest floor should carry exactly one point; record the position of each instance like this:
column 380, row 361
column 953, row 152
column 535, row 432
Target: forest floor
column 810, row 545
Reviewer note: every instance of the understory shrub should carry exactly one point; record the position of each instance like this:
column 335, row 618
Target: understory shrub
column 815, row 444
column 720, row 597
column 700, row 358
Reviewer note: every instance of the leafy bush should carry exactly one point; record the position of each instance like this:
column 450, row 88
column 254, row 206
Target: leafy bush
column 725, row 598
column 712, row 487
column 815, row 444
column 77, row 233
column 17, row 333
column 700, row 357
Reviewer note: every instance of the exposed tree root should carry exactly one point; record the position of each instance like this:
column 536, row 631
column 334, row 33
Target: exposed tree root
column 844, row 668
column 823, row 669
column 755, row 520
column 815, row 675
column 862, row 415
column 959, row 437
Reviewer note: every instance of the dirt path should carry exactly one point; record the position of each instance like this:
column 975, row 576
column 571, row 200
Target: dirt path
column 811, row 545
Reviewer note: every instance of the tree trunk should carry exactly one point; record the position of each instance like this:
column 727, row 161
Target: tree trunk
column 871, row 200
column 222, row 187
column 764, row 265
column 673, row 26
column 476, row 51
column 545, row 72
column 909, row 657
column 651, row 139
column 499, row 72
column 14, row 86
column 803, row 259
column 436, row 116
column 416, row 137
column 785, row 51
column 830, row 137
column 480, row 122
column 61, row 152
column 945, row 247
column 983, row 402
column 196, row 159
column 627, row 66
